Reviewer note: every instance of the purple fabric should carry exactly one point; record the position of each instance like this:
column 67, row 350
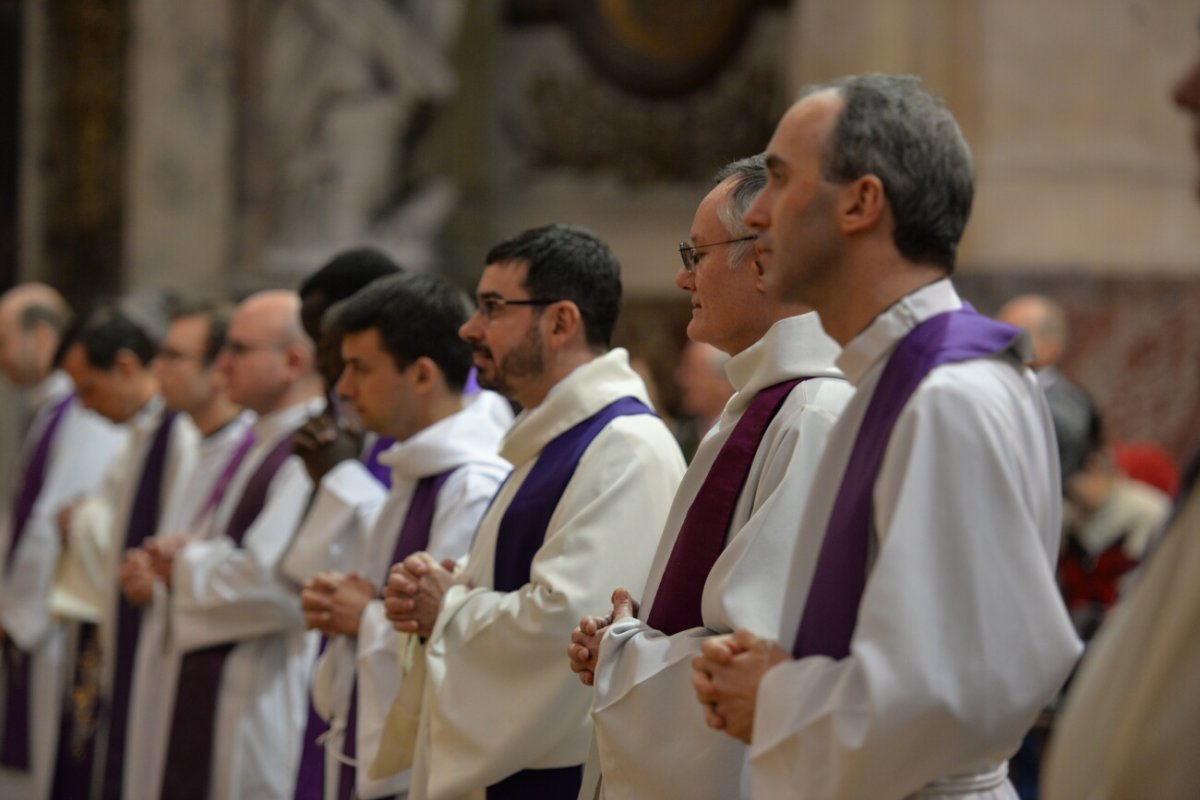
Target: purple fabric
column 472, row 385
column 227, row 472
column 382, row 472
column 561, row 783
column 187, row 772
column 413, row 537
column 522, row 530
column 143, row 522
column 74, row 761
column 831, row 610
column 14, row 748
column 35, row 476
column 523, row 526
column 702, row 535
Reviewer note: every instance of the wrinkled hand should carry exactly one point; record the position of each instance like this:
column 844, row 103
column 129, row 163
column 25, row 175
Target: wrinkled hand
column 726, row 675
column 136, row 576
column 584, row 650
column 162, row 550
column 322, row 444
column 413, row 595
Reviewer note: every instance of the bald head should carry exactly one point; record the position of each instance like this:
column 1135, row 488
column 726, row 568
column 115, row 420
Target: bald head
column 268, row 359
column 1046, row 323
column 33, row 317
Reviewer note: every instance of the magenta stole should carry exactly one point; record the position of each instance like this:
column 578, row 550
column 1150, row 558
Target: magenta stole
column 522, row 531
column 188, row 767
column 705, row 527
column 831, row 610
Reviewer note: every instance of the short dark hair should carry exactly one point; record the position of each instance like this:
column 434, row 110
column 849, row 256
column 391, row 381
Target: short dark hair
column 417, row 316
column 894, row 128
column 217, row 315
column 347, row 272
column 107, row 331
column 569, row 262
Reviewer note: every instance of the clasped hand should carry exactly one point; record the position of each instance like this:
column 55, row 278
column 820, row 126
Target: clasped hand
column 726, row 676
column 333, row 603
column 412, row 596
column 584, row 650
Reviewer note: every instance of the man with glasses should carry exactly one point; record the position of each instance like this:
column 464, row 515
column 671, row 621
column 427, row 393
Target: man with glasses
column 924, row 633
column 593, row 473
column 111, row 362
column 241, row 693
column 64, row 452
column 722, row 560
column 191, row 384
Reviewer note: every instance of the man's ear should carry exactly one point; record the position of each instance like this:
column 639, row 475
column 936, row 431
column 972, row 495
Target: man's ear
column 564, row 322
column 861, row 204
column 126, row 364
column 426, row 374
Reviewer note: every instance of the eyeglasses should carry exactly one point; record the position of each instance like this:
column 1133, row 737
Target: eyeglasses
column 687, row 253
column 238, row 349
column 489, row 306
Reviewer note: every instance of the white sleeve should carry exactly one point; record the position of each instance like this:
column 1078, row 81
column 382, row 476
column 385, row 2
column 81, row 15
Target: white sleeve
column 460, row 505
column 496, row 660
column 961, row 635
column 226, row 593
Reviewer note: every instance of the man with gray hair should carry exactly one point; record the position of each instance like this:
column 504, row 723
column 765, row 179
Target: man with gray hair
column 722, row 559
column 898, row 670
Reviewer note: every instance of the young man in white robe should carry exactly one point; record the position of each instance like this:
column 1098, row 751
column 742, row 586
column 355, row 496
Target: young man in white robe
column 241, row 693
column 111, row 363
column 191, row 385
column 1132, row 720
column 721, row 564
column 593, row 474
column 924, row 635
column 405, row 368
column 76, row 447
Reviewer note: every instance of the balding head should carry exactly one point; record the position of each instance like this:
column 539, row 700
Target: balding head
column 33, row 317
column 268, row 359
column 1046, row 323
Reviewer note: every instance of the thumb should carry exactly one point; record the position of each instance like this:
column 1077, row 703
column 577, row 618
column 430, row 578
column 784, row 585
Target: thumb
column 623, row 605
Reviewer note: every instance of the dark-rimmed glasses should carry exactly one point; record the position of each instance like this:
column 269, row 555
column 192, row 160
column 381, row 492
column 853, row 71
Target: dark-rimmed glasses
column 489, row 306
column 687, row 253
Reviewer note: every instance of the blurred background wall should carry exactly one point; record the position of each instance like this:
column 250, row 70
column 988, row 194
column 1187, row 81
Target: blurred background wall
column 223, row 146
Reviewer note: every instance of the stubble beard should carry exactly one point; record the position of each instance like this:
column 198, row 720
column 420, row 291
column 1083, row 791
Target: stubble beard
column 523, row 361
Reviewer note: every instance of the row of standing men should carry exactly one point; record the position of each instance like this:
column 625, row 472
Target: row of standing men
column 880, row 496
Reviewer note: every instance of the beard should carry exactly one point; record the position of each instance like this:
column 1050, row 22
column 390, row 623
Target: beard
column 523, row 361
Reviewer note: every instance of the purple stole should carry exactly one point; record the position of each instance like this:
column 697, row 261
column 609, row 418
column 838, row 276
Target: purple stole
column 831, row 610
column 702, row 535
column 143, row 522
column 14, row 748
column 187, row 771
column 382, row 472
column 522, row 531
column 413, row 537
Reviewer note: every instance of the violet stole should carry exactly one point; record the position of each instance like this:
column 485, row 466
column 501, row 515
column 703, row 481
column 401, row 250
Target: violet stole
column 381, row 472
column 705, row 528
column 522, row 531
column 831, row 610
column 143, row 522
column 188, row 766
column 413, row 537
column 14, row 748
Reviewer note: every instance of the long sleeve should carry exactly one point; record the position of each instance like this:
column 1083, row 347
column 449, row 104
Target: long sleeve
column 961, row 635
column 643, row 697
column 495, row 659
column 226, row 593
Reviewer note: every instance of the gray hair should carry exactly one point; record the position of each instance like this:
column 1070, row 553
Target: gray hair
column 749, row 176
column 894, row 128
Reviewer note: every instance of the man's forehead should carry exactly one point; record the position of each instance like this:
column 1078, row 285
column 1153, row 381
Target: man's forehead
column 806, row 123
column 501, row 275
